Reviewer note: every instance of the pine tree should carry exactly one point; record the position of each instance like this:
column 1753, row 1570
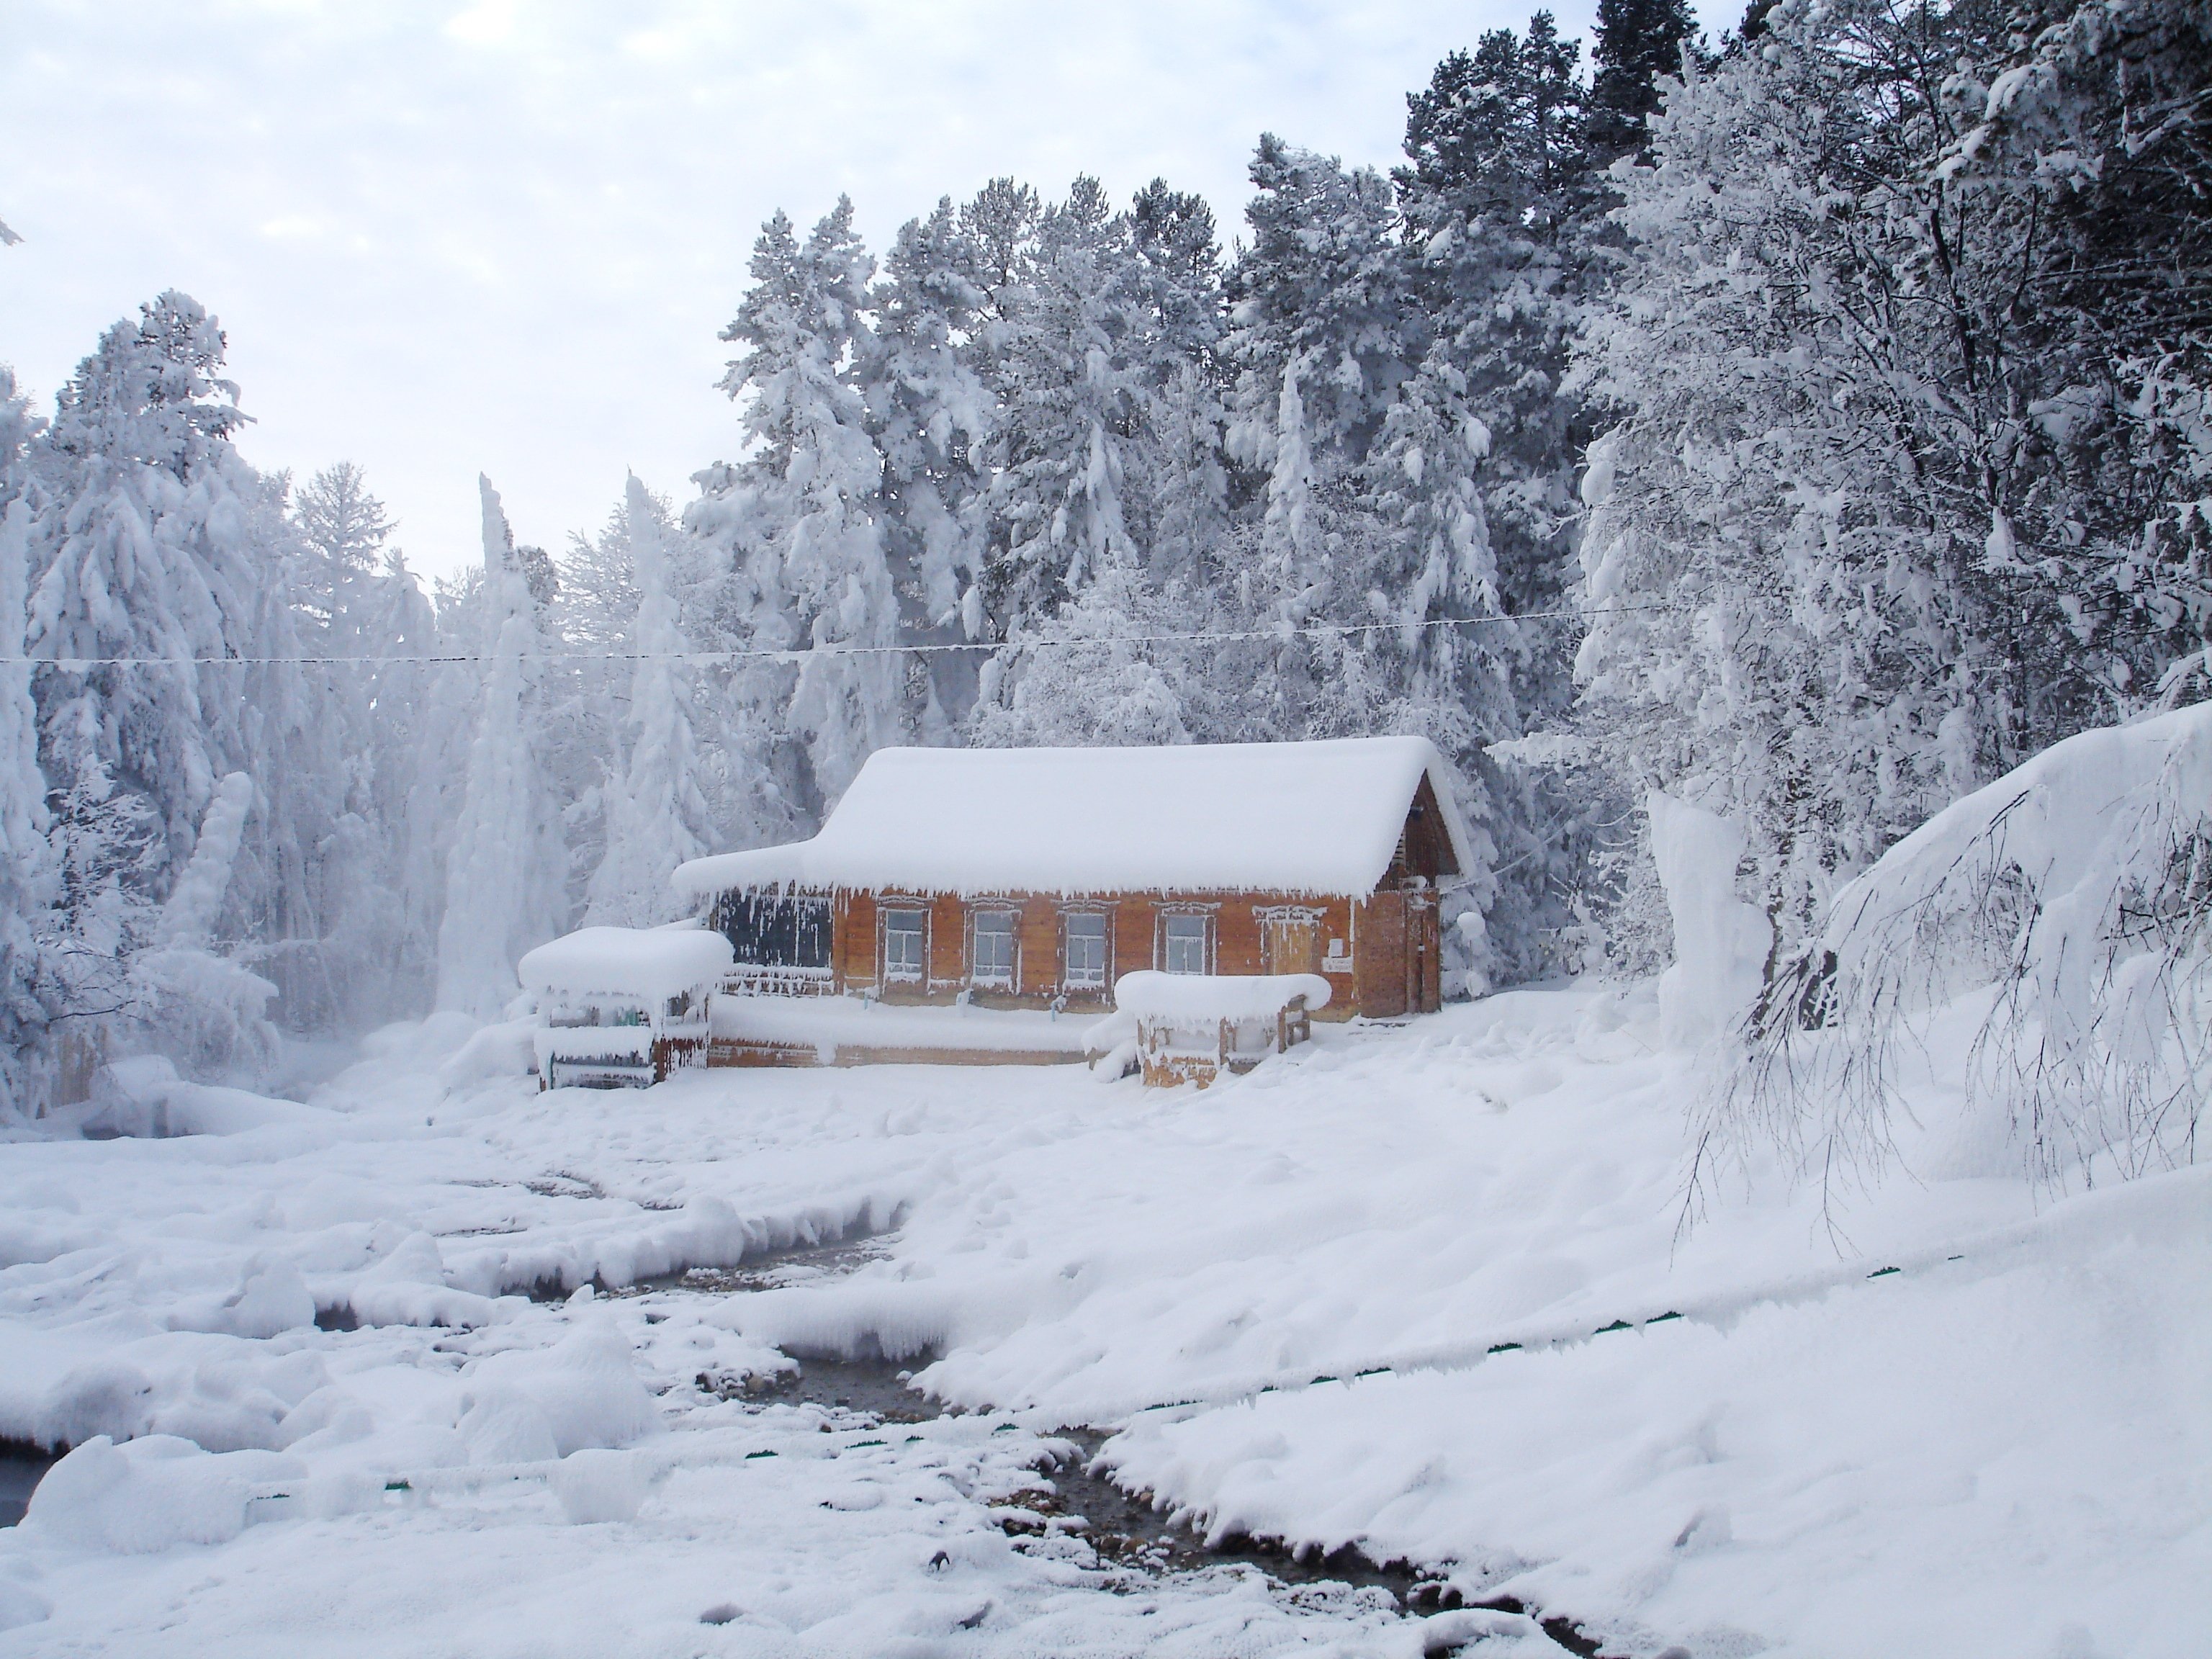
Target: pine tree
column 503, row 874
column 656, row 816
column 797, row 516
column 26, row 867
column 1637, row 41
column 1057, row 357
column 933, row 420
column 147, row 574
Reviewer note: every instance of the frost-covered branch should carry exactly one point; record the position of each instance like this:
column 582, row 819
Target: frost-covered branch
column 2068, row 903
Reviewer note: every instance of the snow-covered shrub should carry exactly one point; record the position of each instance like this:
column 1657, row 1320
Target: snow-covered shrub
column 2071, row 899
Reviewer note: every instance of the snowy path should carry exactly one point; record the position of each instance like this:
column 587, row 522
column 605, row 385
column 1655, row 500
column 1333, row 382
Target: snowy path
column 1997, row 1453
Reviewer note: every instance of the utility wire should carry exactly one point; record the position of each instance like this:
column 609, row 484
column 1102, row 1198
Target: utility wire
column 806, row 653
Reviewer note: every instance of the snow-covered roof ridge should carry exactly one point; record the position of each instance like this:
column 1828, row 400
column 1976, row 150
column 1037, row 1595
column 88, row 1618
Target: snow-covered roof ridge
column 1318, row 818
column 640, row 962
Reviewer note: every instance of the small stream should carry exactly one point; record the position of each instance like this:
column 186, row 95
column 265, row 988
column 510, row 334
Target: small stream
column 1124, row 1528
column 22, row 1467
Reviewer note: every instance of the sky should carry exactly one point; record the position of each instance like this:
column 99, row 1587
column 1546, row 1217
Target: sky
column 502, row 235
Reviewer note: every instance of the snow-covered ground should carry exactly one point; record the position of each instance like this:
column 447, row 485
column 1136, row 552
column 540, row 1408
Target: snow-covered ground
column 1423, row 1290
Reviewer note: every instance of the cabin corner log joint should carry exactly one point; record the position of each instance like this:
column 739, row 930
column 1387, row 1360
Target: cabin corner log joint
column 1027, row 881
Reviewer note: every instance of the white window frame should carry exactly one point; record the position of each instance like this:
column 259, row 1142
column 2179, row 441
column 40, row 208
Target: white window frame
column 1008, row 980
column 1168, row 941
column 1105, row 936
column 901, row 974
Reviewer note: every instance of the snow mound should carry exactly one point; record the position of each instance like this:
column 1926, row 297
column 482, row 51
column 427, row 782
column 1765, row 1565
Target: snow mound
column 153, row 1494
column 143, row 1098
column 584, row 1392
column 596, row 1485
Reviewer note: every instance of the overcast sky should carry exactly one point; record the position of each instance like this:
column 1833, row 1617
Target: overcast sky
column 502, row 236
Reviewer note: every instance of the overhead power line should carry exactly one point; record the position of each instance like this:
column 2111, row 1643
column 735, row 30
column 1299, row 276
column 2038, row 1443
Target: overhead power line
column 804, row 654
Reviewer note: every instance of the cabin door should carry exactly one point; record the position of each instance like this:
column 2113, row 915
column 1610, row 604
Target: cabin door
column 1290, row 943
column 1424, row 955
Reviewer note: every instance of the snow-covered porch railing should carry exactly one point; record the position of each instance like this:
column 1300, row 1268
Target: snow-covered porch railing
column 1192, row 1027
column 622, row 1007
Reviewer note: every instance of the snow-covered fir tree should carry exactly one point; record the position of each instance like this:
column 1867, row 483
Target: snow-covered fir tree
column 28, row 875
column 798, row 515
column 656, row 816
column 504, row 872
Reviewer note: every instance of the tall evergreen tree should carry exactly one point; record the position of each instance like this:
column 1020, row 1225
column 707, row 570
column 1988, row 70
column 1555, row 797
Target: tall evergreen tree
column 933, row 420
column 798, row 514
column 503, row 874
column 146, row 582
column 656, row 816
column 1637, row 41
column 27, row 867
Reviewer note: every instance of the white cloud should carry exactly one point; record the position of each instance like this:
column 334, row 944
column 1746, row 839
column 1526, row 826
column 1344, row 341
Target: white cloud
column 502, row 235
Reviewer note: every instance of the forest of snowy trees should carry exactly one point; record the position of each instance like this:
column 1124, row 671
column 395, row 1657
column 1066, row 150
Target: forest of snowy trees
column 1813, row 424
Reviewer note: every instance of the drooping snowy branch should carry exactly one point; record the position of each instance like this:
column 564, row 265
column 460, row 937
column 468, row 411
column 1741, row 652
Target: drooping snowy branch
column 2071, row 900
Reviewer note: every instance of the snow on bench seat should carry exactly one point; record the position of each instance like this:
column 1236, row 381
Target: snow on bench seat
column 651, row 963
column 773, row 1031
column 1217, row 996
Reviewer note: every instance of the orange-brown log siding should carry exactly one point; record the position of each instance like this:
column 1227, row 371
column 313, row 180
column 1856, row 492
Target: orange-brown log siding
column 1390, row 943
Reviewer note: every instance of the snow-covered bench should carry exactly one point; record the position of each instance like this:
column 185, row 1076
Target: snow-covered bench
column 1192, row 1027
column 622, row 1007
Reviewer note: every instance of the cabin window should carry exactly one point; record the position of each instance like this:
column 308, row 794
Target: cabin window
column 679, row 1005
column 992, row 959
column 772, row 929
column 906, row 944
column 1182, row 943
column 1086, row 948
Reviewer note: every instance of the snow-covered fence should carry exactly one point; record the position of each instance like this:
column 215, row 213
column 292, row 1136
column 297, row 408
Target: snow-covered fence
column 622, row 1006
column 2074, row 894
column 1192, row 1027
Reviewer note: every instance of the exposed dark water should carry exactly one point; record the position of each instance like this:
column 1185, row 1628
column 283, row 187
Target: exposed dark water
column 1125, row 1527
column 22, row 1466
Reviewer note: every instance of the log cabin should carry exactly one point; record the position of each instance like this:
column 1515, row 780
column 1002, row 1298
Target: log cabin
column 1033, row 879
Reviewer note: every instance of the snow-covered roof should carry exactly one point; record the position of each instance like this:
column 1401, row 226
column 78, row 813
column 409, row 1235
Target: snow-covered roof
column 646, row 963
column 1317, row 818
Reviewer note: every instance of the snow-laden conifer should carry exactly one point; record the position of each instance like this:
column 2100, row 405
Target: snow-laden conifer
column 798, row 515
column 656, row 816
column 148, row 570
column 26, row 864
column 503, row 873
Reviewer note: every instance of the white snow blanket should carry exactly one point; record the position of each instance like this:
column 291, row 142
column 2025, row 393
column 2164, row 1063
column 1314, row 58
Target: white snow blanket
column 1154, row 995
column 827, row 1024
column 1755, row 1438
column 651, row 964
column 1318, row 818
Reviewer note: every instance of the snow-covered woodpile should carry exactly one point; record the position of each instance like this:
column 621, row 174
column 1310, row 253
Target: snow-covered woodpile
column 622, row 1007
column 1036, row 879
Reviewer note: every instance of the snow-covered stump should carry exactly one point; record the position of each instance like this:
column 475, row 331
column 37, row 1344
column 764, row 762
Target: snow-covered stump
column 1193, row 1027
column 622, row 1007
